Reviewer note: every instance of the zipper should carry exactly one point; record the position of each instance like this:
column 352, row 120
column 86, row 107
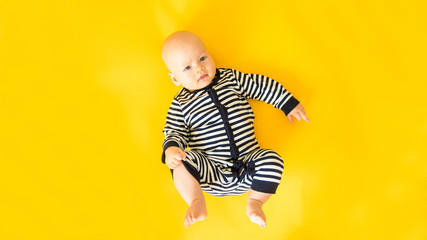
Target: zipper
column 224, row 116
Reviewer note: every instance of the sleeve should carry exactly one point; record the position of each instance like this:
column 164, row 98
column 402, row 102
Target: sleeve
column 176, row 132
column 263, row 88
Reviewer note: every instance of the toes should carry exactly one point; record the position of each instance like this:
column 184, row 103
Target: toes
column 261, row 223
column 258, row 220
column 188, row 220
column 194, row 214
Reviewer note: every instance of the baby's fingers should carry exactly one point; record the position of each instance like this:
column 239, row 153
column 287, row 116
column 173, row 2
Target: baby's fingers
column 290, row 118
column 304, row 116
column 170, row 165
column 297, row 116
column 180, row 156
column 173, row 164
column 301, row 111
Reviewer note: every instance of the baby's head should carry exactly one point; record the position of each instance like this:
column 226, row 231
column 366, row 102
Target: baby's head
column 188, row 61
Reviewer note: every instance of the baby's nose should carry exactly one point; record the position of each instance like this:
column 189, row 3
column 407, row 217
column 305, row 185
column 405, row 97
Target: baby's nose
column 199, row 68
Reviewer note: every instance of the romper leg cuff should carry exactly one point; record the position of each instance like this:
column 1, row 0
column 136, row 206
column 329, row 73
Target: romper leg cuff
column 193, row 171
column 264, row 187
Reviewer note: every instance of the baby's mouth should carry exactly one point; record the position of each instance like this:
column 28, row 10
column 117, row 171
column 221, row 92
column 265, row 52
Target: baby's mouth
column 203, row 77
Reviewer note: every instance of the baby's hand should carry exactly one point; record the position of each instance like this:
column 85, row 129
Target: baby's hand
column 174, row 156
column 298, row 112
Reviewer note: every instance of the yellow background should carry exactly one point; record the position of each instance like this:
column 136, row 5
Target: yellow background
column 84, row 96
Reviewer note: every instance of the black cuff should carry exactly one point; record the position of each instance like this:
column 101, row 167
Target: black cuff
column 289, row 105
column 264, row 187
column 168, row 144
column 192, row 170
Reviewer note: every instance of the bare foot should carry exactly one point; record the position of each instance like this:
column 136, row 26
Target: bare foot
column 255, row 213
column 196, row 212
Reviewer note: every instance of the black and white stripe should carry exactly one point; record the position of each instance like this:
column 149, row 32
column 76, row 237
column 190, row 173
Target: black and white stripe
column 217, row 120
column 261, row 170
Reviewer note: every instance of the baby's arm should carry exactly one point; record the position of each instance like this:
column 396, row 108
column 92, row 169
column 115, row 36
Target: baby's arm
column 265, row 89
column 174, row 157
column 176, row 135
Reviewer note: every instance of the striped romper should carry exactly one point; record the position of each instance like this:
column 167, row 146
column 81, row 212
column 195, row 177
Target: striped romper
column 216, row 124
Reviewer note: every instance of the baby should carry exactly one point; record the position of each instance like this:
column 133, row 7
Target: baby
column 211, row 116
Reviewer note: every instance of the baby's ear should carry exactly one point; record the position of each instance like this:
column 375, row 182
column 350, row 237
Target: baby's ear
column 174, row 79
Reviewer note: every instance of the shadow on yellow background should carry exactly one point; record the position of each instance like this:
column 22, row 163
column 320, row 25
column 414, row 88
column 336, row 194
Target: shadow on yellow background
column 84, row 96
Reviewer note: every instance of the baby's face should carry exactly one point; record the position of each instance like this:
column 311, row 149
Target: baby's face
column 191, row 65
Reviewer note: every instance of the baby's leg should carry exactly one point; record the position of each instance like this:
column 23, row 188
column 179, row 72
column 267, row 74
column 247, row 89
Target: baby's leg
column 254, row 207
column 192, row 194
column 266, row 178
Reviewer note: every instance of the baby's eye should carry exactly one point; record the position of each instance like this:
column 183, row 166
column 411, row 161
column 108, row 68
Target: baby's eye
column 202, row 59
column 187, row 68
